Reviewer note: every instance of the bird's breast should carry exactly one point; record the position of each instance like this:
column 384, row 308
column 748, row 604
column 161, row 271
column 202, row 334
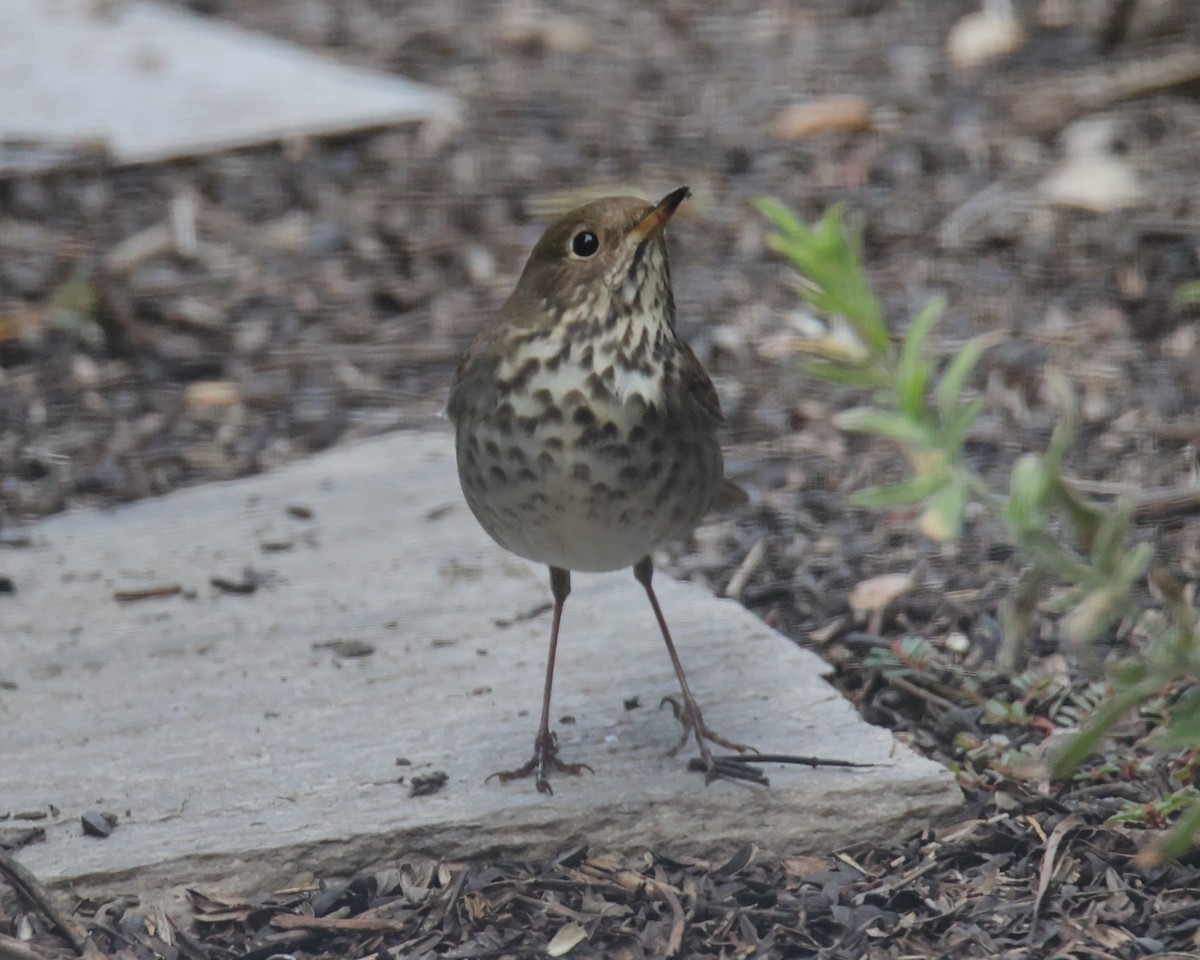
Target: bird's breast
column 622, row 357
column 585, row 457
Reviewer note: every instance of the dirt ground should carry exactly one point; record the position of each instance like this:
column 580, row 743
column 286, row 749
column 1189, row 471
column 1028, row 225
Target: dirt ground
column 333, row 284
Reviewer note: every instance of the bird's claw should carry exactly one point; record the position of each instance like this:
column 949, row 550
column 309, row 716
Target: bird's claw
column 729, row 768
column 689, row 716
column 545, row 757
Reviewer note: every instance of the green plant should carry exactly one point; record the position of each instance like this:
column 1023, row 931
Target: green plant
column 1189, row 294
column 1157, row 813
column 1087, row 549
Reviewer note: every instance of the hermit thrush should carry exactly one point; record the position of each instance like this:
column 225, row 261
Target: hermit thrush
column 586, row 428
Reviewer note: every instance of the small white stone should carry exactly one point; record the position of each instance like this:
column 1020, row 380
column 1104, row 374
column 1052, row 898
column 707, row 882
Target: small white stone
column 957, row 642
column 984, row 35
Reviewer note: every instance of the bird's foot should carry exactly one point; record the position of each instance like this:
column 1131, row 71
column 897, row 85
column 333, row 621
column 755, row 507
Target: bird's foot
column 728, row 768
column 688, row 714
column 545, row 758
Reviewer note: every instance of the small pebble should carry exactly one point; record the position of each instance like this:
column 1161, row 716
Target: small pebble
column 97, row 824
column 427, row 783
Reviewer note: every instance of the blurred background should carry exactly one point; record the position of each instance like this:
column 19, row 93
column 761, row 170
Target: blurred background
column 1037, row 164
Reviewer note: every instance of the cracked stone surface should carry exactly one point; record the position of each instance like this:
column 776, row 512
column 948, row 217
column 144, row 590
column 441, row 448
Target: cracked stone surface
column 255, row 738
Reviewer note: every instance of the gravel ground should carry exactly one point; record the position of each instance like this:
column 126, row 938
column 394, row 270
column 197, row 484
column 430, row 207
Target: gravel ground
column 333, row 283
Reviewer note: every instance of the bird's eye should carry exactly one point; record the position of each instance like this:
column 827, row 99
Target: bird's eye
column 585, row 244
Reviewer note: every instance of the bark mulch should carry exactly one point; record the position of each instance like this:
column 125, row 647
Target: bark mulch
column 991, row 884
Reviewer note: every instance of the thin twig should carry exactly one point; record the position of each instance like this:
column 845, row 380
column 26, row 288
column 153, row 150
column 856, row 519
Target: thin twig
column 13, row 949
column 1064, row 826
column 918, row 691
column 439, row 916
column 292, row 921
column 750, row 563
column 148, row 593
column 1159, row 504
column 908, row 877
column 665, row 892
column 33, row 890
column 790, row 758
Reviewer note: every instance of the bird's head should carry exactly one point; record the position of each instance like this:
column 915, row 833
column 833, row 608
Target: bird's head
column 606, row 255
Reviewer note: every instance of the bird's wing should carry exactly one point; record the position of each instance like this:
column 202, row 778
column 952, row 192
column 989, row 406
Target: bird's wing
column 729, row 497
column 697, row 385
column 475, row 368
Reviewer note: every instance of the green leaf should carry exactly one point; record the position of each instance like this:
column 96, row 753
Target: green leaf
column 1091, row 616
column 942, row 520
column 1183, row 728
column 913, row 370
column 1083, row 744
column 910, row 491
column 1027, row 488
column 1016, row 613
column 885, row 423
column 959, row 421
column 1134, row 564
column 1064, row 430
column 1130, row 811
column 1182, row 836
column 1133, row 672
column 1178, row 603
column 1179, row 800
column 954, row 377
column 829, row 256
column 1083, row 514
column 858, row 303
column 781, row 216
column 1116, row 526
column 861, row 375
column 911, row 390
column 1188, row 294
column 1051, row 554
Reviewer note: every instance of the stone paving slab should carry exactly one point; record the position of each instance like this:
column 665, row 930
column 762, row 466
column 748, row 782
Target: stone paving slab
column 240, row 745
column 153, row 82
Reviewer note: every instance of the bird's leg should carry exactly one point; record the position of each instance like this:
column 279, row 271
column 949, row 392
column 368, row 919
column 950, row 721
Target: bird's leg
column 545, row 745
column 687, row 712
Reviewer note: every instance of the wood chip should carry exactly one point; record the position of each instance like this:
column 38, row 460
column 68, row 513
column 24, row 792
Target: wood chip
column 984, row 36
column 816, row 117
column 211, row 393
column 1037, row 109
column 741, row 577
column 288, row 921
column 872, row 597
column 566, row 940
column 1096, row 183
column 148, row 593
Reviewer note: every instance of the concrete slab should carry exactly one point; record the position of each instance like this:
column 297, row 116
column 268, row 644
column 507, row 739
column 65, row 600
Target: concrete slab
column 153, row 82
column 240, row 745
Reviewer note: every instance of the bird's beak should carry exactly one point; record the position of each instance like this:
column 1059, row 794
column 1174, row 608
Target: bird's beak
column 660, row 213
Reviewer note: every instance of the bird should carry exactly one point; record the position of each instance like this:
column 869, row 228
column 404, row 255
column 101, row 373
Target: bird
column 586, row 428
